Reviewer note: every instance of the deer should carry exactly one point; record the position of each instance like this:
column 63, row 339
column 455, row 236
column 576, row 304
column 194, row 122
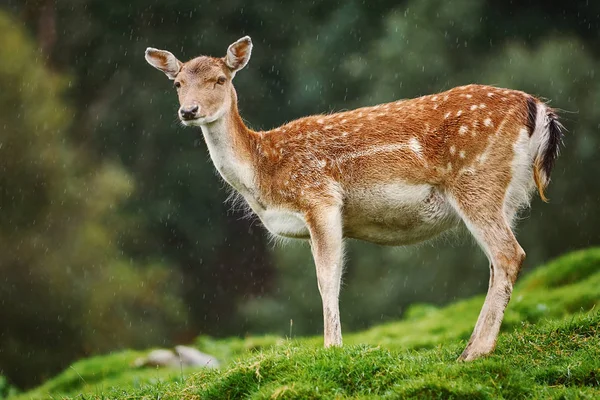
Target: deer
column 393, row 174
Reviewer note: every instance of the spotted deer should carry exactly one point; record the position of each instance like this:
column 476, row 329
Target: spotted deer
column 393, row 174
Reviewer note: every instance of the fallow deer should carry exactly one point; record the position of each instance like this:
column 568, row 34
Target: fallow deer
column 393, row 174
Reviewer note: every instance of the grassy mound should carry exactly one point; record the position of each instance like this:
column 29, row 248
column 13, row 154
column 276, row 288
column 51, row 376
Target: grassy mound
column 549, row 348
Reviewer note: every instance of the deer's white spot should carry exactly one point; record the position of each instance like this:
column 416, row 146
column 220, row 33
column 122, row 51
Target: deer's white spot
column 462, row 130
column 482, row 105
column 434, row 98
column 452, row 150
column 415, row 146
column 320, row 121
column 483, row 156
column 386, row 148
column 490, row 94
column 445, row 97
column 474, row 107
column 461, row 154
column 446, row 115
column 328, row 127
column 469, row 96
column 487, row 122
column 458, row 113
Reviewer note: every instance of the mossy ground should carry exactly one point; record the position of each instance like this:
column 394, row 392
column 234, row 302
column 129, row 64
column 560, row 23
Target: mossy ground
column 549, row 348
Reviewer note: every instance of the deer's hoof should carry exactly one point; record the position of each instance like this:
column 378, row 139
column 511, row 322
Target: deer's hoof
column 473, row 352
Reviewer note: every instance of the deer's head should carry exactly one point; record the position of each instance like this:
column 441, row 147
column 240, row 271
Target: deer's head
column 203, row 84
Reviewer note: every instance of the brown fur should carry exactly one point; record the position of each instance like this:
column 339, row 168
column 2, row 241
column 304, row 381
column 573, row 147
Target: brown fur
column 451, row 134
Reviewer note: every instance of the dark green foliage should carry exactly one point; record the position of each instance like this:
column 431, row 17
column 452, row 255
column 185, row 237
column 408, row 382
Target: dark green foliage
column 6, row 389
column 66, row 289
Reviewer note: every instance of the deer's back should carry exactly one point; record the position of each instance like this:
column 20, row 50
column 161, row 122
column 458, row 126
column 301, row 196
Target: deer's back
column 429, row 140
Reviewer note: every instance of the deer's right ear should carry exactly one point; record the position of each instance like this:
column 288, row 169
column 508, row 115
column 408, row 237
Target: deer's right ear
column 164, row 61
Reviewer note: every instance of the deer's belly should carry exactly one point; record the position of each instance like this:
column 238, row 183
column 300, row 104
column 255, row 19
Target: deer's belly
column 393, row 214
column 397, row 214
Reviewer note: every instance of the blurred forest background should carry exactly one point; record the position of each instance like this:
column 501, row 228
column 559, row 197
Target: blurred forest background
column 113, row 228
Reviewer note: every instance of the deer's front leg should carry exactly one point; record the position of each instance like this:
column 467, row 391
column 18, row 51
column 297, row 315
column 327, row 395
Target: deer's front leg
column 325, row 225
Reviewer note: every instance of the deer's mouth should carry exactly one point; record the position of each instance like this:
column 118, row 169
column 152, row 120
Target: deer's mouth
column 197, row 121
column 189, row 119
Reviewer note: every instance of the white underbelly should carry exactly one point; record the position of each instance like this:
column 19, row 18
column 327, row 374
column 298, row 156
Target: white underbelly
column 397, row 214
column 392, row 214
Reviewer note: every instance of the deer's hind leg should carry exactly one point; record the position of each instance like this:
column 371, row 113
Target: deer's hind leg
column 483, row 212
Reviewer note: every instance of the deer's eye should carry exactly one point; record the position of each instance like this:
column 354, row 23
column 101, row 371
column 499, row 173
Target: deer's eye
column 221, row 80
column 177, row 84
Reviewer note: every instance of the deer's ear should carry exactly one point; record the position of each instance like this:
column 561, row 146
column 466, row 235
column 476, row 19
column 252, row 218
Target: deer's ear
column 164, row 61
column 238, row 54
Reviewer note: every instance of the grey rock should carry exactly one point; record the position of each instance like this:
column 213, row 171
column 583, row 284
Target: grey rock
column 193, row 357
column 183, row 356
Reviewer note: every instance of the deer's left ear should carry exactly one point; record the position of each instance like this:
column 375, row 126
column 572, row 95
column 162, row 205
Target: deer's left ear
column 238, row 54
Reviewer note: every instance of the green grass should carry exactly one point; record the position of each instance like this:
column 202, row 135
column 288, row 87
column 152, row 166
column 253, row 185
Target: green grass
column 549, row 348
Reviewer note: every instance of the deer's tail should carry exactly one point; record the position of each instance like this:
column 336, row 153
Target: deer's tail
column 547, row 136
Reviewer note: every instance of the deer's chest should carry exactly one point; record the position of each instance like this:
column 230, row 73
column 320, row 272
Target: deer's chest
column 279, row 221
column 286, row 223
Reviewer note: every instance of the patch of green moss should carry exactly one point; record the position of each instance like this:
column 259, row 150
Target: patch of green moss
column 549, row 348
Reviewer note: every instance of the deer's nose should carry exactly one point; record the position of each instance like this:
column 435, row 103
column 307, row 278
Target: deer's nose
column 188, row 113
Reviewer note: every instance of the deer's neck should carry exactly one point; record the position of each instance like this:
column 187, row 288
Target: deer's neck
column 230, row 144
